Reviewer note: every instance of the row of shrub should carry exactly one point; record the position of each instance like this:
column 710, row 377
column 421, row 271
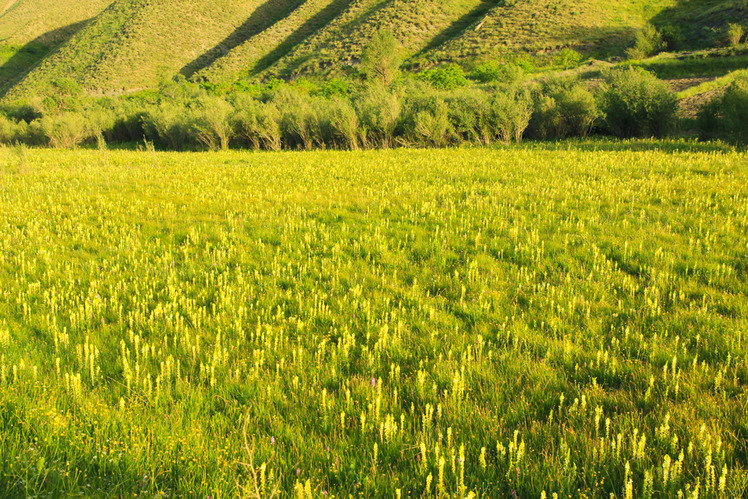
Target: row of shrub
column 412, row 112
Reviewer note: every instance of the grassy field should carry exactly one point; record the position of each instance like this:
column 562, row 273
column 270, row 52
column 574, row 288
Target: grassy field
column 535, row 321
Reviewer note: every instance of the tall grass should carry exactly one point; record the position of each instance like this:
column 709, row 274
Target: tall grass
column 461, row 323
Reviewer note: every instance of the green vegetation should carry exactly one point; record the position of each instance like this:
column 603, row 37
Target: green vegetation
column 711, row 63
column 436, row 107
column 735, row 33
column 648, row 42
column 727, row 116
column 564, row 108
column 45, row 21
column 464, row 323
column 253, row 40
column 700, row 24
column 636, row 104
column 380, row 61
column 717, row 83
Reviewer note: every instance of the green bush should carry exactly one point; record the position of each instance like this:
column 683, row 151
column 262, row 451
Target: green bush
column 568, row 58
column 379, row 111
column 210, row 122
column 637, row 104
column 497, row 72
column 170, row 126
column 22, row 111
column 433, row 125
column 300, row 119
column 648, row 42
column 734, row 34
column 7, row 130
column 336, row 87
column 526, row 62
column 62, row 95
column 564, row 109
column 445, row 78
column 257, row 124
column 672, row 38
column 727, row 116
column 128, row 122
column 67, row 130
column 469, row 109
column 509, row 115
column 342, row 122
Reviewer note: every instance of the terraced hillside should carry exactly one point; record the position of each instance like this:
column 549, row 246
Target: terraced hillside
column 135, row 43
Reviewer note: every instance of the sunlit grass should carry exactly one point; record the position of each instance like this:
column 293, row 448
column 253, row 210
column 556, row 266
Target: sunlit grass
column 408, row 323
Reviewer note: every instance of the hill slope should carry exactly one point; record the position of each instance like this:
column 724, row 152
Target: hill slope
column 329, row 33
column 132, row 44
column 44, row 21
column 543, row 25
column 31, row 29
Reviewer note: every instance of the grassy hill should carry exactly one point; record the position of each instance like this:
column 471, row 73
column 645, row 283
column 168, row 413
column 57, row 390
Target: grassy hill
column 326, row 34
column 133, row 44
column 44, row 21
column 31, row 29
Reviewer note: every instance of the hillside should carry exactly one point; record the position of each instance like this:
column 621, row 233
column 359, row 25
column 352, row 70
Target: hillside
column 31, row 29
column 327, row 34
column 44, row 21
column 545, row 25
column 133, row 44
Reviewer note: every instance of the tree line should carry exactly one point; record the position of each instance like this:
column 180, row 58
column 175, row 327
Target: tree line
column 435, row 108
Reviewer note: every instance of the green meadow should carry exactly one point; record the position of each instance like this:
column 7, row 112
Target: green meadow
column 536, row 321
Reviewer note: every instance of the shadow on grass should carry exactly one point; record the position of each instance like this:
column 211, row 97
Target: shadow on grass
column 461, row 25
column 307, row 29
column 609, row 144
column 25, row 58
column 262, row 18
column 701, row 24
column 698, row 65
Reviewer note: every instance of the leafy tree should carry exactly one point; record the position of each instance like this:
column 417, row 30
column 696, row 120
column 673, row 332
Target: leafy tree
column 380, row 60
column 62, row 95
